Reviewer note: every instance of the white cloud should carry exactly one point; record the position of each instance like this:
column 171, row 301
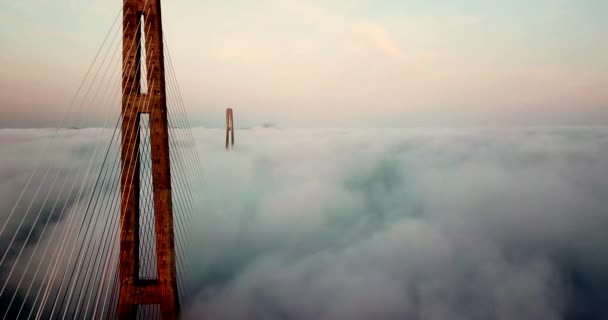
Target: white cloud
column 333, row 224
column 393, row 224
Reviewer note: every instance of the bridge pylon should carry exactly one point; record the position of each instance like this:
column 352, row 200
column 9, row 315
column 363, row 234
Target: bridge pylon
column 142, row 21
column 229, row 128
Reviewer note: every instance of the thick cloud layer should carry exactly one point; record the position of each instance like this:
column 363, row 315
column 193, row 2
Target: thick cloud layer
column 394, row 224
column 404, row 224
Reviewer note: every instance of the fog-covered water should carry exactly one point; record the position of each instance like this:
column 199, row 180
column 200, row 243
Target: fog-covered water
column 385, row 224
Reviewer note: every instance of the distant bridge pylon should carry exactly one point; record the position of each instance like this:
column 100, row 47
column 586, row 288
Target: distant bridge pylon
column 229, row 128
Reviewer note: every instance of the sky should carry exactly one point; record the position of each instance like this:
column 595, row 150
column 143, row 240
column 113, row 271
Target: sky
column 338, row 63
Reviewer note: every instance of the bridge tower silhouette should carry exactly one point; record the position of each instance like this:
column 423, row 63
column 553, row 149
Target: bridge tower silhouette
column 142, row 21
column 229, row 128
column 107, row 233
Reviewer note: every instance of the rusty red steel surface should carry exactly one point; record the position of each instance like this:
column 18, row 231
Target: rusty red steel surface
column 163, row 289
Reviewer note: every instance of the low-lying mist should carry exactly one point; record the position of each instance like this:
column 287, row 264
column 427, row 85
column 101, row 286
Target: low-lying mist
column 388, row 224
